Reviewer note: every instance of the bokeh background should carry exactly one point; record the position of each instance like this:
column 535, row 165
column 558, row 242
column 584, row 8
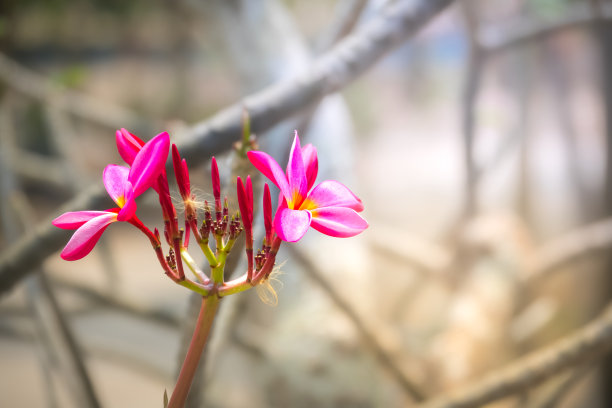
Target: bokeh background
column 480, row 149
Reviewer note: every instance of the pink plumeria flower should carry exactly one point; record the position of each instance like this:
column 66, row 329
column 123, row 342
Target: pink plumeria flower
column 329, row 207
column 123, row 185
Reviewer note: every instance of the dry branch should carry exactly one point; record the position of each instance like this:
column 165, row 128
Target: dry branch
column 585, row 345
column 366, row 333
column 330, row 73
column 589, row 240
column 499, row 39
column 37, row 87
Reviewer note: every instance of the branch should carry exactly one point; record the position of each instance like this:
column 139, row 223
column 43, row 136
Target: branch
column 497, row 39
column 585, row 345
column 594, row 238
column 365, row 332
column 554, row 397
column 350, row 58
column 36, row 86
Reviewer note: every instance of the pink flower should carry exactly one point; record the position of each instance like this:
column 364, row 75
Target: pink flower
column 330, row 207
column 123, row 185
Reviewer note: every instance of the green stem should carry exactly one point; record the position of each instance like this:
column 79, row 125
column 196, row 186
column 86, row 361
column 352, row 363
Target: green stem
column 207, row 314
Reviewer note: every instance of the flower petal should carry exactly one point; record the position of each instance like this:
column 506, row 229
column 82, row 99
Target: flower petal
column 270, row 168
column 311, row 162
column 296, row 174
column 338, row 222
column 115, row 178
column 291, row 225
column 129, row 207
column 330, row 193
column 74, row 219
column 149, row 163
column 128, row 145
column 86, row 237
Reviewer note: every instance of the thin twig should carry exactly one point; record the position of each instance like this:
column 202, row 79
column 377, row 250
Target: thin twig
column 330, row 73
column 471, row 87
column 585, row 345
column 554, row 396
column 386, row 360
column 575, row 245
column 159, row 316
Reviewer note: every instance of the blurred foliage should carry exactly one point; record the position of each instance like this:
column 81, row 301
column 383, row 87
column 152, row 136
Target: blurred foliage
column 548, row 8
column 58, row 6
column 72, row 76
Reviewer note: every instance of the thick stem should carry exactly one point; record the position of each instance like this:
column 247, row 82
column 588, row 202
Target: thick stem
column 206, row 317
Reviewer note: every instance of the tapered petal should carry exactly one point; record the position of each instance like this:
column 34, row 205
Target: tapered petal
column 338, row 222
column 291, row 225
column 270, row 168
column 129, row 207
column 149, row 163
column 331, row 193
column 115, row 178
column 296, row 174
column 85, row 238
column 311, row 162
column 74, row 219
column 128, row 145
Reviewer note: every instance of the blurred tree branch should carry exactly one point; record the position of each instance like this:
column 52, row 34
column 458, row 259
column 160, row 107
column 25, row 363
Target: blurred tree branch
column 37, row 87
column 350, row 58
column 366, row 333
column 57, row 340
column 499, row 39
column 587, row 344
column 592, row 239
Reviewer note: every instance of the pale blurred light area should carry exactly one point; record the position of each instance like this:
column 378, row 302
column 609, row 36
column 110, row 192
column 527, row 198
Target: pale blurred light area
column 448, row 297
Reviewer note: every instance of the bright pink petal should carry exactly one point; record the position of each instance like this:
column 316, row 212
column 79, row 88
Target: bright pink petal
column 128, row 145
column 296, row 174
column 338, row 222
column 86, row 237
column 73, row 220
column 311, row 162
column 291, row 225
column 149, row 163
column 331, row 193
column 270, row 168
column 129, row 207
column 115, row 177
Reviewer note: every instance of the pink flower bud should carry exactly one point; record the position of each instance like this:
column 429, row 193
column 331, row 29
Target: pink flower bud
column 216, row 183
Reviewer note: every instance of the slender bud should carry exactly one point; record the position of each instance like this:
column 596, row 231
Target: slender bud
column 267, row 213
column 181, row 173
column 168, row 211
column 216, row 184
column 245, row 203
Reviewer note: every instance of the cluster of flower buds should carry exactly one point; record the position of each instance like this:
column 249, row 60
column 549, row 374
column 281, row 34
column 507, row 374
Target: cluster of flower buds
column 328, row 207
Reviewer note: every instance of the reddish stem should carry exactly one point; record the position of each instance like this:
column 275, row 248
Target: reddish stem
column 206, row 317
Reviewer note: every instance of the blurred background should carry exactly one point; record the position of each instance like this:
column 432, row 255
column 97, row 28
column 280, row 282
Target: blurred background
column 480, row 148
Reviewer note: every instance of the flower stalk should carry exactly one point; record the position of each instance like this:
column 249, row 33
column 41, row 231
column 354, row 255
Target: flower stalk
column 208, row 310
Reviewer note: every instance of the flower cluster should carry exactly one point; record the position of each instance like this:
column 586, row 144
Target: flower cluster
column 329, row 207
